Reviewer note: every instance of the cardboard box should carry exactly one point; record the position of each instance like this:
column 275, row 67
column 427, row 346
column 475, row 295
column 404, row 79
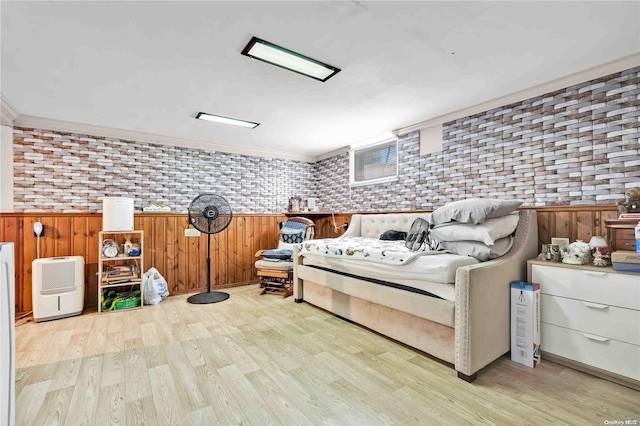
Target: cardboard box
column 625, row 261
column 525, row 323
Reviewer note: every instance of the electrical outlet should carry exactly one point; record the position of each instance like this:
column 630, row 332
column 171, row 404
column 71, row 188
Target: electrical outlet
column 189, row 232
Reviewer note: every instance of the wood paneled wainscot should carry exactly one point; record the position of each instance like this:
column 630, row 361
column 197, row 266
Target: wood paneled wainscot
column 573, row 222
column 181, row 260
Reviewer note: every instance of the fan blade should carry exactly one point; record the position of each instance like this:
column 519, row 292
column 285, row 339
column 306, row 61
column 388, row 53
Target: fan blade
column 200, row 223
column 222, row 221
column 210, row 213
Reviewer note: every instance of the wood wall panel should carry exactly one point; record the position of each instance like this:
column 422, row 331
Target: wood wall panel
column 183, row 260
column 600, row 226
column 575, row 223
column 325, row 225
column 562, row 225
column 94, row 226
column 584, row 225
column 11, row 230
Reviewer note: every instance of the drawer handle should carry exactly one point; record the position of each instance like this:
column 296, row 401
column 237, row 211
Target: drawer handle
column 594, row 305
column 600, row 274
column 593, row 337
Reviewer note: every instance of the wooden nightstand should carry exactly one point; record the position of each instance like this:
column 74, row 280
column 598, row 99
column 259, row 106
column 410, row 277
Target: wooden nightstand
column 590, row 319
column 621, row 233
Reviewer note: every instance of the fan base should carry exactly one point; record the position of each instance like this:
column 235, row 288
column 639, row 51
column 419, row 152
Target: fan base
column 208, row 297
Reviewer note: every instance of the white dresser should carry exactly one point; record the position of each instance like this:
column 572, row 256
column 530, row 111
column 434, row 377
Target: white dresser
column 590, row 319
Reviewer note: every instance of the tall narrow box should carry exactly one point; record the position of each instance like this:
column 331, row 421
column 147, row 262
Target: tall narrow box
column 525, row 323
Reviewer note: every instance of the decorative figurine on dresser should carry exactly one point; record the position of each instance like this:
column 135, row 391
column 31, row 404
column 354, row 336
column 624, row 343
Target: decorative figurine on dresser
column 632, row 204
column 600, row 251
column 578, row 253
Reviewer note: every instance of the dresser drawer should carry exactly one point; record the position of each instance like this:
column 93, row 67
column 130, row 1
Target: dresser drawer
column 605, row 287
column 625, row 234
column 625, row 244
column 593, row 318
column 608, row 354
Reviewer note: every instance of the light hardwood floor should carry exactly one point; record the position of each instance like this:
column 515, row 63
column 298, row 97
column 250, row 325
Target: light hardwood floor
column 260, row 360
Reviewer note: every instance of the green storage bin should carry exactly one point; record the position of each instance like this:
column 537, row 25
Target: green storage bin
column 112, row 301
column 132, row 302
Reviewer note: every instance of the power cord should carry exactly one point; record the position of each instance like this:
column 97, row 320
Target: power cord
column 336, row 228
column 23, row 319
column 215, row 237
column 38, row 229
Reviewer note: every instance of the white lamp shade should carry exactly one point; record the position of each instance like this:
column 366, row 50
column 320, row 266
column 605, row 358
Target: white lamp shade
column 597, row 242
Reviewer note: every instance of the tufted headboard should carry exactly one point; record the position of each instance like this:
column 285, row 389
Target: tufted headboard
column 372, row 225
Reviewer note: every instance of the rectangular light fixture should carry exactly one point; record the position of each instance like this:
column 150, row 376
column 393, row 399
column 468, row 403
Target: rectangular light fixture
column 226, row 120
column 292, row 61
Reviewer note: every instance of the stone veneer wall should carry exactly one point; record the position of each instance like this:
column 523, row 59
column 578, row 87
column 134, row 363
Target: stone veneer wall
column 578, row 145
column 58, row 172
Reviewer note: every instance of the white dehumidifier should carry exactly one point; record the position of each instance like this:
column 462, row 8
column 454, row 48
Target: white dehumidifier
column 58, row 287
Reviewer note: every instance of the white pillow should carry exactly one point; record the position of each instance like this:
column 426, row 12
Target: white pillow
column 480, row 251
column 487, row 232
column 473, row 210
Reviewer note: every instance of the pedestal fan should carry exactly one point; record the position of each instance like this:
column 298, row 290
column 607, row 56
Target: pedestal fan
column 209, row 213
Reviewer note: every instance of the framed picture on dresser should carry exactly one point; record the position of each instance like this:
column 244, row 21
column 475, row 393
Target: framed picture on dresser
column 563, row 243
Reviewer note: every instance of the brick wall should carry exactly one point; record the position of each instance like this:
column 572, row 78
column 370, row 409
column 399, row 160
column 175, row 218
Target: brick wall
column 57, row 172
column 578, row 145
column 572, row 146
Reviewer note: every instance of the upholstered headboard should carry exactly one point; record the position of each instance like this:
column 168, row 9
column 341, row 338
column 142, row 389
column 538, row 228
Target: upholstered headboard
column 373, row 225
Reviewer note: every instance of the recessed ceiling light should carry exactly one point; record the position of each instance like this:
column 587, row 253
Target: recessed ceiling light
column 285, row 58
column 226, row 120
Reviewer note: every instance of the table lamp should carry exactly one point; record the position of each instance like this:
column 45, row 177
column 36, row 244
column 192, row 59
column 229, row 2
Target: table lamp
column 597, row 243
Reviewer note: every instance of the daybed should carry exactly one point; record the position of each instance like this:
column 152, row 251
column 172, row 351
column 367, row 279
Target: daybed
column 470, row 330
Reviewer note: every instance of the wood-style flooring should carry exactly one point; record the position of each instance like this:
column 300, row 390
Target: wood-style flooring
column 264, row 360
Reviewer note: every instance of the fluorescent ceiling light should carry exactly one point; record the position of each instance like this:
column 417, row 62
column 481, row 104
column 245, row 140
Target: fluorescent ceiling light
column 284, row 58
column 226, row 120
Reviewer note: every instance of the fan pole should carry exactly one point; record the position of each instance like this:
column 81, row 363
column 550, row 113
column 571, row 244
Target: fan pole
column 209, row 263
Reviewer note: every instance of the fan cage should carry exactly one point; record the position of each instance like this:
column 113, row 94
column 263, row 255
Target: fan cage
column 210, row 213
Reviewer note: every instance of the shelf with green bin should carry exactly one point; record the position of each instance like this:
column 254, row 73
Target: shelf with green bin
column 107, row 283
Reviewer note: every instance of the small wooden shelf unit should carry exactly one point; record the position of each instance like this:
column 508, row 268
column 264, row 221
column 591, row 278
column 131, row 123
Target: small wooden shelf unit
column 134, row 280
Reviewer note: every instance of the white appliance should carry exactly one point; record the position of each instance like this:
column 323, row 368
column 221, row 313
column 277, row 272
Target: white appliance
column 58, row 287
column 117, row 214
column 7, row 331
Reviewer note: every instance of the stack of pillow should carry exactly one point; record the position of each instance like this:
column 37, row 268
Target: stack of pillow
column 477, row 227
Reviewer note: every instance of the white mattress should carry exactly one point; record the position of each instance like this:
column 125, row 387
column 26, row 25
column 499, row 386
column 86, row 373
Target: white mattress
column 435, row 274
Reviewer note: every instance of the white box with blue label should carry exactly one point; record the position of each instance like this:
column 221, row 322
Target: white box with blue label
column 626, row 261
column 525, row 323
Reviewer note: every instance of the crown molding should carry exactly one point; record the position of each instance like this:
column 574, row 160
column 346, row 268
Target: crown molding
column 621, row 64
column 330, row 154
column 32, row 122
column 9, row 112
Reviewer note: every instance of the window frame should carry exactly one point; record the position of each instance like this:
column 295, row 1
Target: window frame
column 371, row 147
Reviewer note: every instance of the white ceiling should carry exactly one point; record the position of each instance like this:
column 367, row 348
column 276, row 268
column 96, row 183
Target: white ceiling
column 151, row 66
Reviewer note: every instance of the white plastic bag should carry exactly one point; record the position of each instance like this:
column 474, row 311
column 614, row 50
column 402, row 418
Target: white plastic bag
column 155, row 287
